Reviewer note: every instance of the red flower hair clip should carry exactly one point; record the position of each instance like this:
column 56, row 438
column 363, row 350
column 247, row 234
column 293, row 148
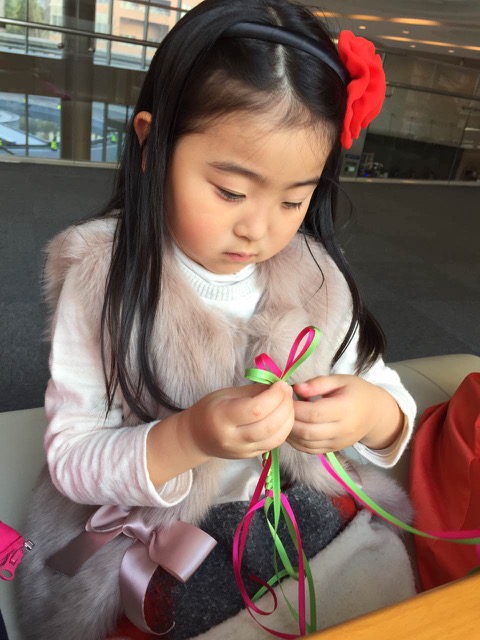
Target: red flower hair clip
column 367, row 87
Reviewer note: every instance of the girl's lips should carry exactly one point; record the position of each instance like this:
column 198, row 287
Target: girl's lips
column 240, row 257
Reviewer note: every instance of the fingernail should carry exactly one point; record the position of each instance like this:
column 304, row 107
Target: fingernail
column 302, row 385
column 286, row 386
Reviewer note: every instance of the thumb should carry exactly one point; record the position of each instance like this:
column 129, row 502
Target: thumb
column 252, row 390
column 319, row 386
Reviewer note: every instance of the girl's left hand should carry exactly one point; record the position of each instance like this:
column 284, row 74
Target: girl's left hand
column 350, row 409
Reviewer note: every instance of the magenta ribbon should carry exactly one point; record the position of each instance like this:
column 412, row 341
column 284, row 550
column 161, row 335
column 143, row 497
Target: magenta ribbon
column 268, row 372
column 179, row 549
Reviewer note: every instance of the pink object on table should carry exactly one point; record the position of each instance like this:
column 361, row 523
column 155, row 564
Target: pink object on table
column 12, row 548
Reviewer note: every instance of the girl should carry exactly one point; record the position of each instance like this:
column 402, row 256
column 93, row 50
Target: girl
column 217, row 245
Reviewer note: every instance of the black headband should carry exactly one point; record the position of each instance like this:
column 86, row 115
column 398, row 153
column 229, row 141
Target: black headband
column 279, row 35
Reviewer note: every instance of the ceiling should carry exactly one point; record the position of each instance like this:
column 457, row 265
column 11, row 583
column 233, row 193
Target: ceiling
column 448, row 28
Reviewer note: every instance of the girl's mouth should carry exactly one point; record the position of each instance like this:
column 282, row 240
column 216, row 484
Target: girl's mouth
column 240, row 257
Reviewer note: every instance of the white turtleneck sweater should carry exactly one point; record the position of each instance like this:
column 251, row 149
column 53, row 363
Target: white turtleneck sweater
column 99, row 462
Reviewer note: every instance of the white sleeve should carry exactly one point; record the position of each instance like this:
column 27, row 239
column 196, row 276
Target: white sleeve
column 385, row 377
column 93, row 460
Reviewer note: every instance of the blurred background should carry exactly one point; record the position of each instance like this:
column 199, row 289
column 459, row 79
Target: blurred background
column 70, row 73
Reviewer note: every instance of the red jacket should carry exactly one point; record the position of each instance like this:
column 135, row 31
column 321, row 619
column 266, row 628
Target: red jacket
column 445, row 483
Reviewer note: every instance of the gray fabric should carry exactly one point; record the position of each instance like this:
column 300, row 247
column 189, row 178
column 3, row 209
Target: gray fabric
column 211, row 595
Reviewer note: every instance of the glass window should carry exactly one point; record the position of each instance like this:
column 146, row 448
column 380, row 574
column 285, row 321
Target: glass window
column 419, row 115
column 159, row 24
column 128, row 20
column 13, row 124
column 102, row 17
column 13, row 38
column 16, row 10
column 44, row 127
column 430, row 74
column 126, row 55
column 416, row 136
column 48, row 12
column 109, row 124
column 102, row 25
column 150, row 52
column 189, row 4
column 164, row 8
column 29, row 126
column 97, row 138
column 45, row 43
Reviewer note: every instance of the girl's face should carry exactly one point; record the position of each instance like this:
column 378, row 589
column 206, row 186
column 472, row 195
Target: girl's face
column 239, row 190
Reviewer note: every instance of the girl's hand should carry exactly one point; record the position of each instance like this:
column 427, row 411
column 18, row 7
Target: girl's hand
column 240, row 422
column 350, row 409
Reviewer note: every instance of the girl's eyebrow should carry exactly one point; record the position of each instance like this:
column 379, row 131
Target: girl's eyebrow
column 231, row 167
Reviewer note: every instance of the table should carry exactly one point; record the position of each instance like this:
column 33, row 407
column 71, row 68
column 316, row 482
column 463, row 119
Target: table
column 448, row 612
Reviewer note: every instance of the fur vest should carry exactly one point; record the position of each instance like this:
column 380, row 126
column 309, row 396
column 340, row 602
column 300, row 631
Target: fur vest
column 217, row 350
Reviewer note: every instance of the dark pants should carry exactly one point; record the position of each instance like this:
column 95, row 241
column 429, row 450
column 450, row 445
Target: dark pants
column 3, row 631
column 211, row 595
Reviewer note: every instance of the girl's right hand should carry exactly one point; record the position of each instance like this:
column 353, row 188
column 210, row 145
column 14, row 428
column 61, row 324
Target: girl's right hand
column 239, row 422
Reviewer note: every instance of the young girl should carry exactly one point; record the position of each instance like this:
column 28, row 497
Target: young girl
column 218, row 245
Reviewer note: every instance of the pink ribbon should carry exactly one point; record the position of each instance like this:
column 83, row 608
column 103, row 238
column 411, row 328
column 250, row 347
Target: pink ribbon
column 266, row 372
column 179, row 549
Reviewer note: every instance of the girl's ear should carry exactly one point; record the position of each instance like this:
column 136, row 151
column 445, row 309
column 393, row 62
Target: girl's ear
column 141, row 124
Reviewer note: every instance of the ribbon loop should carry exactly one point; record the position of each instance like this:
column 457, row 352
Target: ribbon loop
column 179, row 549
column 107, row 519
column 264, row 362
column 313, row 335
column 268, row 372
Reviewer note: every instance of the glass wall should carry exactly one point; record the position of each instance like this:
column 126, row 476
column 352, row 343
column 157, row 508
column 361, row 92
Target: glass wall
column 71, row 71
column 429, row 125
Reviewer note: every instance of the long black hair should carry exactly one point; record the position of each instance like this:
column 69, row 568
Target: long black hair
column 195, row 76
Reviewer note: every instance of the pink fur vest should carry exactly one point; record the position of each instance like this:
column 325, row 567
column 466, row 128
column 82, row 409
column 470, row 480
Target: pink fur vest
column 197, row 340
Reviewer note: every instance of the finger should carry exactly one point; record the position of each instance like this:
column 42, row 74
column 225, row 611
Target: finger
column 271, row 439
column 270, row 432
column 312, row 448
column 260, row 430
column 248, row 390
column 315, row 433
column 318, row 412
column 248, row 410
column 320, row 386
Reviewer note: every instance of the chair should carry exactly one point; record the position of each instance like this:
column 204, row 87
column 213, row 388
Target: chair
column 430, row 380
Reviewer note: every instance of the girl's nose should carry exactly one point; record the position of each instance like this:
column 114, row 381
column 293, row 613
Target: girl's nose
column 252, row 225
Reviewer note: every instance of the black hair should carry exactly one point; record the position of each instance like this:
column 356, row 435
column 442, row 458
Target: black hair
column 195, row 76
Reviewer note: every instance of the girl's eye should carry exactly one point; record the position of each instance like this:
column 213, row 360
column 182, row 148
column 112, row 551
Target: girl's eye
column 292, row 205
column 228, row 195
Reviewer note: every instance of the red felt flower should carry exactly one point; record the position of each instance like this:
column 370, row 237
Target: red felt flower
column 366, row 90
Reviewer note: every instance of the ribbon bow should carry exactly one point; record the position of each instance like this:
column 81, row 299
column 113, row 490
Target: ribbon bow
column 268, row 372
column 179, row 549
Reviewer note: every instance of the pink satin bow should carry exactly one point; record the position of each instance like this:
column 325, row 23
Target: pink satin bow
column 179, row 549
